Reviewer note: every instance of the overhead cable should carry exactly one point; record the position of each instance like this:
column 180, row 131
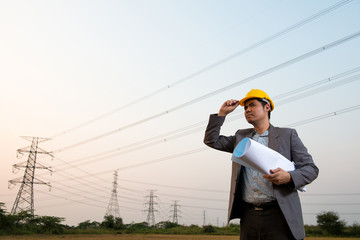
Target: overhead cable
column 298, row 94
column 243, row 81
column 346, row 80
column 215, row 64
column 335, row 113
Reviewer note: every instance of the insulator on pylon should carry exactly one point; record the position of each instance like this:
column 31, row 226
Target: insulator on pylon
column 11, row 186
column 15, row 169
column 19, row 154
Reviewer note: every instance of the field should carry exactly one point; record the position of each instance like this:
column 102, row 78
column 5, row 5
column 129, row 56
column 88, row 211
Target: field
column 138, row 237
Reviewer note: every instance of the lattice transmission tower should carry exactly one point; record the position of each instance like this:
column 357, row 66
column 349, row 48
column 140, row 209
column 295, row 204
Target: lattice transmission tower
column 25, row 198
column 113, row 206
column 204, row 217
column 150, row 219
column 175, row 216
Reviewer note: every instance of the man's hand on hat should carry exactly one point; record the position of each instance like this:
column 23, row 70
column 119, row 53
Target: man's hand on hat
column 228, row 107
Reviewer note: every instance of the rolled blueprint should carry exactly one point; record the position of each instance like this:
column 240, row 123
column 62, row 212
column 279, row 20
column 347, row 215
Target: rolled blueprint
column 252, row 154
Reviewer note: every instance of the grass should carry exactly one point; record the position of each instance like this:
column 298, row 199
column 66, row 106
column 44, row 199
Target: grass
column 119, row 237
column 139, row 237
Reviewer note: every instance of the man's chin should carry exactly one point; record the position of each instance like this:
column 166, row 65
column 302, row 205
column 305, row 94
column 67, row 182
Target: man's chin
column 250, row 121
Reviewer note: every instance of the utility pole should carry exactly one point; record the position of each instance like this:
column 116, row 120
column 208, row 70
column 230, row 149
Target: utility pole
column 204, row 217
column 150, row 219
column 25, row 198
column 175, row 216
column 113, row 206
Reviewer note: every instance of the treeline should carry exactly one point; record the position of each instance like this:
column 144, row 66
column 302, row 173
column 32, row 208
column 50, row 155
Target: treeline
column 329, row 224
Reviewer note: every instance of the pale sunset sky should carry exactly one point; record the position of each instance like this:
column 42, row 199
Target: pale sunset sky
column 129, row 85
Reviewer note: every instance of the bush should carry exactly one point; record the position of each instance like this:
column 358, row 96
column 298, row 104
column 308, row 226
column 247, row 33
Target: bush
column 209, row 229
column 354, row 230
column 330, row 223
column 313, row 231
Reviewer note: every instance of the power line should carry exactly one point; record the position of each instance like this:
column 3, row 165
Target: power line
column 196, row 198
column 82, row 190
column 176, row 187
column 73, row 200
column 298, row 94
column 79, row 202
column 335, row 113
column 341, row 213
column 295, row 124
column 243, row 81
column 328, row 115
column 331, row 204
column 146, row 163
column 302, row 122
column 215, row 64
column 319, row 117
column 330, row 194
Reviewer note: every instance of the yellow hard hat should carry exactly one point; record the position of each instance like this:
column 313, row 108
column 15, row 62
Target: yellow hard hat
column 256, row 93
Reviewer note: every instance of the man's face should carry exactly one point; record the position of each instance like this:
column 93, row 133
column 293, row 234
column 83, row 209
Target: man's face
column 255, row 111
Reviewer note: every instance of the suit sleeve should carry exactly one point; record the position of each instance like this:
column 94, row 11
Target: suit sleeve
column 305, row 171
column 213, row 138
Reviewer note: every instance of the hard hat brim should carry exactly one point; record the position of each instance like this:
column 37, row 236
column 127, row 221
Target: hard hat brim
column 242, row 101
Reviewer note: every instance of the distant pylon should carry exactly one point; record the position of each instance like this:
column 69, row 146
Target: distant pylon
column 204, row 217
column 150, row 219
column 25, row 198
column 113, row 207
column 175, row 216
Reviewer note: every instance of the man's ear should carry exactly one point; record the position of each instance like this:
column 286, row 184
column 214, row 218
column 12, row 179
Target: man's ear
column 267, row 107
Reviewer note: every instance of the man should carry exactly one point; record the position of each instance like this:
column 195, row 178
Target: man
column 267, row 205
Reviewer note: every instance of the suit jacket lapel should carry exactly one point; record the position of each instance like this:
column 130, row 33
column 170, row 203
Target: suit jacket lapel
column 273, row 141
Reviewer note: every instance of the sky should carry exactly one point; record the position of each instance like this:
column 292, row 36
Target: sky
column 128, row 86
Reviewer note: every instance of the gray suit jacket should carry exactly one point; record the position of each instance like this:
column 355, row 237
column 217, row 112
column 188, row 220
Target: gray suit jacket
column 287, row 143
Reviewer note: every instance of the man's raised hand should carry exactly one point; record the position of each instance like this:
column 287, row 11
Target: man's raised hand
column 228, row 107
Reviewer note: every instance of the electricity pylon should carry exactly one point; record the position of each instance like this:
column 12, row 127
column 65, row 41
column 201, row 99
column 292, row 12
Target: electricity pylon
column 113, row 206
column 175, row 216
column 150, row 219
column 204, row 217
column 25, row 198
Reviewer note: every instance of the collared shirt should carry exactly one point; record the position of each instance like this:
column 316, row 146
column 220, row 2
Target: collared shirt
column 257, row 189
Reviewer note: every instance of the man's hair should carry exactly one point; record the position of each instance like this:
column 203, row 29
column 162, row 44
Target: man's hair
column 263, row 103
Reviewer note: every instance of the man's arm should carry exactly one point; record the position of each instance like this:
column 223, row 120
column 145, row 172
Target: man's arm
column 305, row 169
column 212, row 134
column 213, row 138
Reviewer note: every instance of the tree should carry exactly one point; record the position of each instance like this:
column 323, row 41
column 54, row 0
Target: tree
column 209, row 229
column 355, row 230
column 50, row 224
column 87, row 224
column 166, row 225
column 137, row 227
column 6, row 220
column 118, row 224
column 109, row 221
column 330, row 223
